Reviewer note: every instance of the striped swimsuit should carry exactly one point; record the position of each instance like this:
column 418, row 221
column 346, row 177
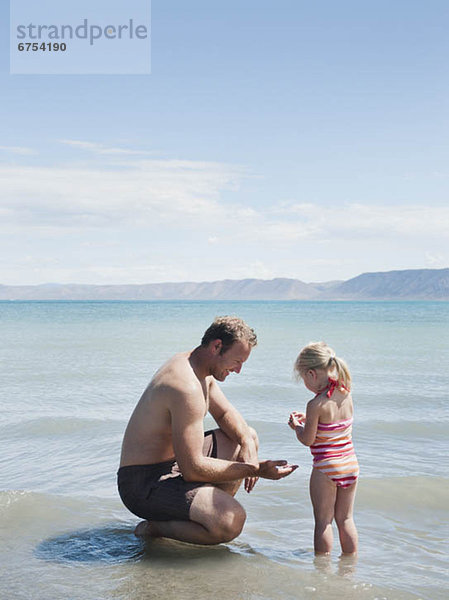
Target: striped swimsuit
column 333, row 452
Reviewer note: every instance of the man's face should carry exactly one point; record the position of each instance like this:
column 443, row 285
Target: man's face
column 231, row 361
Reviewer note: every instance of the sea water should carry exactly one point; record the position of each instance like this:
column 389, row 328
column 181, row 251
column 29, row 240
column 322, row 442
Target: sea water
column 71, row 373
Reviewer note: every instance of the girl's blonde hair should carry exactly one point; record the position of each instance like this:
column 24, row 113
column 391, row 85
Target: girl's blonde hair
column 318, row 355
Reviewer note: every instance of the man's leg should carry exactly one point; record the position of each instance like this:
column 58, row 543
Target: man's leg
column 215, row 517
column 228, row 450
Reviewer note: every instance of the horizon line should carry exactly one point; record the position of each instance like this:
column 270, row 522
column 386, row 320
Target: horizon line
column 225, row 279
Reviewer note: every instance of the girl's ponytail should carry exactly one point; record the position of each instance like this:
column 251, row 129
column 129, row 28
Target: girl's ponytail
column 343, row 374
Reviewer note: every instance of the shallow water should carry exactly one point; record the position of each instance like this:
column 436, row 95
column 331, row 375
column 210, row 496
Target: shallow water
column 71, row 374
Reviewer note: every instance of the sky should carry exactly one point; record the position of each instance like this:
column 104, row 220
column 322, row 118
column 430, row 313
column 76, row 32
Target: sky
column 284, row 138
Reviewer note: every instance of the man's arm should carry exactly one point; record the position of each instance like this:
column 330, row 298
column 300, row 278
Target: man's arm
column 231, row 421
column 187, row 412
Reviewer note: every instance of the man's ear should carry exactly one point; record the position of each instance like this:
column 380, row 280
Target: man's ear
column 216, row 346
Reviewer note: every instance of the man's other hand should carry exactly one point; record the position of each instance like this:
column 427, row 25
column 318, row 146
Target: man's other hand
column 275, row 469
column 248, row 454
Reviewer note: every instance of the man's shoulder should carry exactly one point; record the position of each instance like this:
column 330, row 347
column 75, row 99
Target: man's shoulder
column 177, row 376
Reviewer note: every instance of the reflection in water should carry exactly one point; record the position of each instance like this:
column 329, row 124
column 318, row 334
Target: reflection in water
column 125, row 567
column 115, row 545
column 104, row 544
column 323, row 563
column 346, row 566
column 163, row 551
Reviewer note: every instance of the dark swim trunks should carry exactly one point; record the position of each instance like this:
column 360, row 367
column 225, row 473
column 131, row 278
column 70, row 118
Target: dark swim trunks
column 158, row 492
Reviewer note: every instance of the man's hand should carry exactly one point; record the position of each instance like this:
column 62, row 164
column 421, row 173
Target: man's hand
column 250, row 482
column 296, row 419
column 275, row 469
column 248, row 454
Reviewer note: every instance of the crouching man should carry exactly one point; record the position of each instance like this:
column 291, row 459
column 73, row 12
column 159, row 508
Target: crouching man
column 181, row 480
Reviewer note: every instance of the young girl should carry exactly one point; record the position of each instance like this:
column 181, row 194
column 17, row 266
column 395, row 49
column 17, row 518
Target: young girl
column 327, row 429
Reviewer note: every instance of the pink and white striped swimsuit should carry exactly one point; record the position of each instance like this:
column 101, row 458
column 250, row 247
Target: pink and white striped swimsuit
column 333, row 452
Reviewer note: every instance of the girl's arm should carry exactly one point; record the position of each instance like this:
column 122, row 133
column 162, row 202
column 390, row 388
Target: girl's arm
column 306, row 430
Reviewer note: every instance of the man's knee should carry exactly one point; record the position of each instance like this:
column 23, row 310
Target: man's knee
column 218, row 512
column 230, row 523
column 229, row 449
column 226, row 448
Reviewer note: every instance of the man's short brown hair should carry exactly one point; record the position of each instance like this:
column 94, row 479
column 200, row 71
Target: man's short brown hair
column 229, row 330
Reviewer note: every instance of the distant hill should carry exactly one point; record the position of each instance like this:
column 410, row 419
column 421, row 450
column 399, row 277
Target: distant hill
column 228, row 289
column 415, row 284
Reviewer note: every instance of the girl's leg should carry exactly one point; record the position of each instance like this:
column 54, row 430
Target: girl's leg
column 344, row 518
column 323, row 492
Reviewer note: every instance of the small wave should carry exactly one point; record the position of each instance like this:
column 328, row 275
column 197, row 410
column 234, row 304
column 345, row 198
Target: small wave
column 53, row 510
column 406, row 428
column 44, row 514
column 45, row 426
column 23, row 503
column 11, row 497
column 404, row 493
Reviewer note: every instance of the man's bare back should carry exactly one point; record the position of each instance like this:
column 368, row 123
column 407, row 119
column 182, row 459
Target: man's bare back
column 171, row 474
column 148, row 437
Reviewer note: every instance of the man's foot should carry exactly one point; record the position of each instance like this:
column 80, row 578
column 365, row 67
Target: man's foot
column 143, row 529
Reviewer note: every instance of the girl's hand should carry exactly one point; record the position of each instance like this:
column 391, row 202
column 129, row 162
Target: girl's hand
column 296, row 419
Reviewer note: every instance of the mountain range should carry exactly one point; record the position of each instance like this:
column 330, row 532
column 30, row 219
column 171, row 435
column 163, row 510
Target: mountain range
column 412, row 284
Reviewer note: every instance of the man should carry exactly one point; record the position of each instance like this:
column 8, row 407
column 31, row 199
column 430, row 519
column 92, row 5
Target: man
column 178, row 478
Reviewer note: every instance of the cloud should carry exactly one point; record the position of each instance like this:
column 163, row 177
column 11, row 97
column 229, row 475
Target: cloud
column 21, row 150
column 39, row 270
column 141, row 194
column 435, row 260
column 362, row 221
column 97, row 148
column 112, row 218
column 187, row 194
column 257, row 269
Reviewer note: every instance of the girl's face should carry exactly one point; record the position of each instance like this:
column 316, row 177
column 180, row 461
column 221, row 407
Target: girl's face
column 315, row 379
